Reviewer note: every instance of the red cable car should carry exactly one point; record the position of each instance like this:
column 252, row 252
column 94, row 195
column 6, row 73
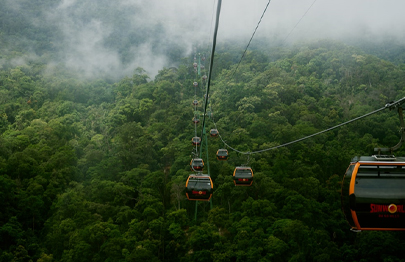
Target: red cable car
column 196, row 120
column 214, row 133
column 196, row 141
column 197, row 164
column 243, row 176
column 373, row 193
column 222, row 154
column 199, row 187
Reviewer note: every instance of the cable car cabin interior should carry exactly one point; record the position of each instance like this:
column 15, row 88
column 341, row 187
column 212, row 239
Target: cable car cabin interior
column 243, row 176
column 373, row 193
column 214, row 133
column 222, row 154
column 196, row 141
column 199, row 187
column 197, row 164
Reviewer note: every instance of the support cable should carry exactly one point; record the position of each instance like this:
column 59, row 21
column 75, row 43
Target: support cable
column 254, row 32
column 214, row 42
column 390, row 106
column 195, row 111
column 299, row 21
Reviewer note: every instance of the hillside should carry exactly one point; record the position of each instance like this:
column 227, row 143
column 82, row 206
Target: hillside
column 94, row 170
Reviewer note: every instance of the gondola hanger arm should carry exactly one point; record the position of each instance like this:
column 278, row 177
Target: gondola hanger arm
column 391, row 105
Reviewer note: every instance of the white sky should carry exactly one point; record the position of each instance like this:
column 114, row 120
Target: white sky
column 187, row 22
column 326, row 19
column 192, row 21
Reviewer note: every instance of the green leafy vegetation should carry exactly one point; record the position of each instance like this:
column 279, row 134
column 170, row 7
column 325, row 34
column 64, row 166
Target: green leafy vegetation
column 94, row 170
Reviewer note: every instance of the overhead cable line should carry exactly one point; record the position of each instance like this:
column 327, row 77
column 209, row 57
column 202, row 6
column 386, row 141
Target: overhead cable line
column 212, row 18
column 214, row 42
column 285, row 39
column 390, row 105
column 254, row 32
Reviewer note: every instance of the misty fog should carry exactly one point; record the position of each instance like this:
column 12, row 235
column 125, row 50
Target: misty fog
column 111, row 38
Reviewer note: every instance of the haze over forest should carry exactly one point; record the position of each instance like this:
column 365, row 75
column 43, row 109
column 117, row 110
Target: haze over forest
column 111, row 39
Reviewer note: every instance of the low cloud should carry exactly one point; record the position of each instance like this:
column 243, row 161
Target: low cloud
column 101, row 38
column 86, row 52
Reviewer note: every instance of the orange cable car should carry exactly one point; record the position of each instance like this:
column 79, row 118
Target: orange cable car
column 373, row 193
column 196, row 120
column 196, row 141
column 222, row 154
column 243, row 176
column 197, row 164
column 199, row 187
column 214, row 133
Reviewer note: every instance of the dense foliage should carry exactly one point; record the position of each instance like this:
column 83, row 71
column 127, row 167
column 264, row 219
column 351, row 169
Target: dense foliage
column 95, row 171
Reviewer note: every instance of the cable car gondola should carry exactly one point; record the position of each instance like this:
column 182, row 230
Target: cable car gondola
column 195, row 102
column 222, row 154
column 214, row 133
column 195, row 84
column 199, row 187
column 373, row 188
column 197, row 164
column 196, row 120
column 196, row 141
column 373, row 193
column 243, row 176
column 204, row 77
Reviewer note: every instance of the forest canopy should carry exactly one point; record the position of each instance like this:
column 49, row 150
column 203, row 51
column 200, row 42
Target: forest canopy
column 95, row 169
